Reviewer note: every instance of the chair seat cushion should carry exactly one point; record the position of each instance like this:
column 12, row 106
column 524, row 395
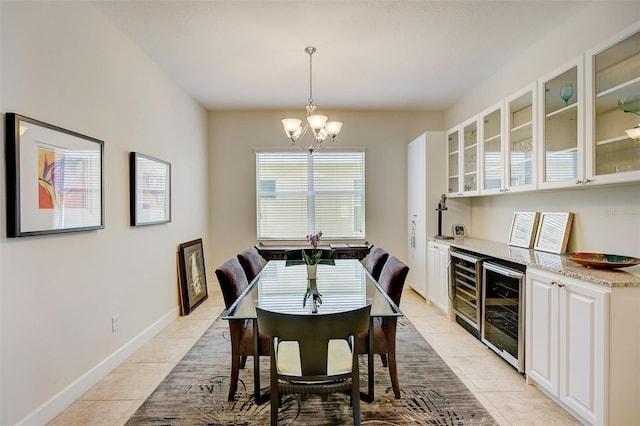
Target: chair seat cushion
column 339, row 358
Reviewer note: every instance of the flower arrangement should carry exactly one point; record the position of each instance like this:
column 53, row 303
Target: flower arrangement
column 316, row 254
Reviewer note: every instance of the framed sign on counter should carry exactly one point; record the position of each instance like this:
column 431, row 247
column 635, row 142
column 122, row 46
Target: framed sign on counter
column 553, row 231
column 523, row 227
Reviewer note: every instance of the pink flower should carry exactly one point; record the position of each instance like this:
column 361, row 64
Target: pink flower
column 314, row 239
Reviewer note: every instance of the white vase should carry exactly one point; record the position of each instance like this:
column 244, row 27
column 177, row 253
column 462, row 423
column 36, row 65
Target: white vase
column 311, row 271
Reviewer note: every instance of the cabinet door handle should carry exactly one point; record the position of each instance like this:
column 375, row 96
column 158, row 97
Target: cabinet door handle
column 578, row 182
column 560, row 284
column 587, row 180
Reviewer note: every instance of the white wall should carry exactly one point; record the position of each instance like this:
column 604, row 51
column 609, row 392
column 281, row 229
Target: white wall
column 64, row 63
column 592, row 24
column 385, row 136
column 607, row 219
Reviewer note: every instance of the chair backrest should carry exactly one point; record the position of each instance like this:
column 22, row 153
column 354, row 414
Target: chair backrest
column 392, row 278
column 250, row 262
column 297, row 254
column 377, row 259
column 313, row 332
column 232, row 279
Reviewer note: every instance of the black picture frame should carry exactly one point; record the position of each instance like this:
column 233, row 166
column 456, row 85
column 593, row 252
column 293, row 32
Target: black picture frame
column 458, row 231
column 55, row 179
column 149, row 190
column 192, row 276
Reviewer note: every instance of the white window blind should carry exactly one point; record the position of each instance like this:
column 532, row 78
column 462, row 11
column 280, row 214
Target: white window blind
column 300, row 194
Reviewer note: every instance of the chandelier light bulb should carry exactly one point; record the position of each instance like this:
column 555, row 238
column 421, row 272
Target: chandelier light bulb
column 333, row 128
column 317, row 121
column 291, row 126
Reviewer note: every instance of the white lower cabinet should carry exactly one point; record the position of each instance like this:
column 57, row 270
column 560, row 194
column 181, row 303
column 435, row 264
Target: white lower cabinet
column 438, row 275
column 583, row 346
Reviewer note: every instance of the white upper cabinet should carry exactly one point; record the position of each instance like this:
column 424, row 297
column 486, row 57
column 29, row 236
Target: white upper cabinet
column 521, row 137
column 492, row 147
column 463, row 159
column 613, row 74
column 453, row 162
column 469, row 146
column 573, row 127
column 561, row 127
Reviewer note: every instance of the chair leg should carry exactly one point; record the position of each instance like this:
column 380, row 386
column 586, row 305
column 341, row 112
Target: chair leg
column 233, row 381
column 383, row 357
column 243, row 361
column 275, row 402
column 355, row 402
column 393, row 373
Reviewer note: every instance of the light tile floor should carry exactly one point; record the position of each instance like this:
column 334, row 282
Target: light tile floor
column 496, row 384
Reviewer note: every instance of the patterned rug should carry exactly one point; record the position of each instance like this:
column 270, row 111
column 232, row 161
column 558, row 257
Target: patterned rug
column 195, row 392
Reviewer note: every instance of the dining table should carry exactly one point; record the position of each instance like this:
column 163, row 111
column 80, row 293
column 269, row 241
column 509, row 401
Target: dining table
column 340, row 285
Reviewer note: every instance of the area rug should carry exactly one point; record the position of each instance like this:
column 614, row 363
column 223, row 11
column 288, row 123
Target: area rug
column 195, row 392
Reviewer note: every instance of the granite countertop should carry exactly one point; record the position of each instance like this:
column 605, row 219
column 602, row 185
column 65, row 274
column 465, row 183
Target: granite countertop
column 621, row 277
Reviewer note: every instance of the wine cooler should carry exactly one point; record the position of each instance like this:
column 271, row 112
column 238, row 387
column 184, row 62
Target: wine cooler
column 503, row 311
column 465, row 290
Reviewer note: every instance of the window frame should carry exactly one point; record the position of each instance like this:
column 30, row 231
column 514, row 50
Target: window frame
column 312, row 195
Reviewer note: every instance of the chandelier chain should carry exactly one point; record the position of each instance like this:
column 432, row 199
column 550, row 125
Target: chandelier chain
column 311, row 74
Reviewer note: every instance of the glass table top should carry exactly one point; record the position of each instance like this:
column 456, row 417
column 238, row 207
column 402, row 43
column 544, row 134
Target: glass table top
column 282, row 286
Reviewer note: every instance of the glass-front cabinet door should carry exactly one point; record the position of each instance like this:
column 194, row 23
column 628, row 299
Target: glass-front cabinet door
column 462, row 161
column 560, row 159
column 491, row 150
column 470, row 158
column 521, row 139
column 613, row 109
column 453, row 163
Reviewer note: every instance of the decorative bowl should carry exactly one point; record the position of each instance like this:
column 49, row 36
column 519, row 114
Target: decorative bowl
column 630, row 104
column 603, row 261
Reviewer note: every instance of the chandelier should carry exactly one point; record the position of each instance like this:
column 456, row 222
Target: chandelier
column 320, row 127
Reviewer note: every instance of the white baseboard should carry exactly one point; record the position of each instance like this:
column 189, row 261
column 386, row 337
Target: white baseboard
column 59, row 402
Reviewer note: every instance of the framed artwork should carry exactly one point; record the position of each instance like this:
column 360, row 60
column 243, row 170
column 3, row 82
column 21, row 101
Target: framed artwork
column 192, row 277
column 553, row 232
column 55, row 179
column 458, row 231
column 149, row 190
column 523, row 229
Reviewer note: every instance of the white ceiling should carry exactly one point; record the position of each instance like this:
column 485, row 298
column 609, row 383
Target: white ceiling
column 371, row 54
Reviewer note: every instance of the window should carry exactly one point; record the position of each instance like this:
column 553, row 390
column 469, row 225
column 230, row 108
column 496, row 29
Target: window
column 299, row 193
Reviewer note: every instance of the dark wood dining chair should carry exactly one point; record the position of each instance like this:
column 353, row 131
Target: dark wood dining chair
column 375, row 261
column 233, row 282
column 250, row 262
column 314, row 354
column 392, row 278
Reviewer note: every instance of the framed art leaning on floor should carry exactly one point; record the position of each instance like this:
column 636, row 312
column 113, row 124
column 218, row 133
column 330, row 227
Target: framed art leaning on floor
column 191, row 276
